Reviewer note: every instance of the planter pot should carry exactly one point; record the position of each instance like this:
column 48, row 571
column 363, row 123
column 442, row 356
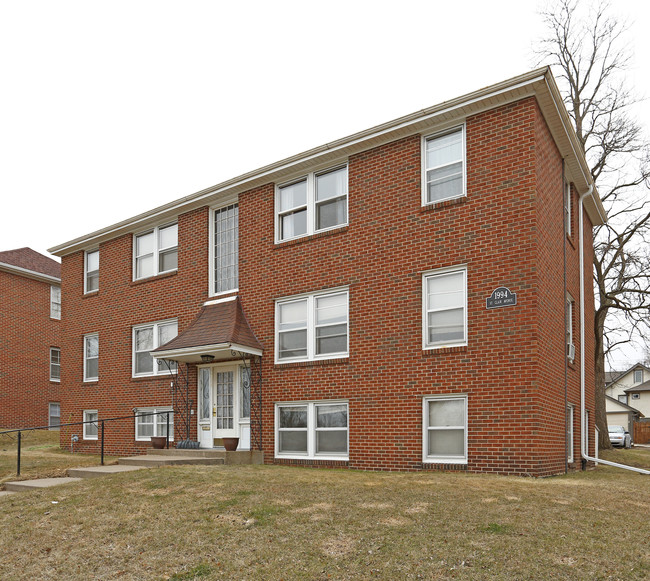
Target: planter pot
column 230, row 444
column 158, row 442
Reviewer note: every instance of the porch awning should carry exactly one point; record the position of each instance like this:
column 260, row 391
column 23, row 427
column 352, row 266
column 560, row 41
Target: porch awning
column 219, row 328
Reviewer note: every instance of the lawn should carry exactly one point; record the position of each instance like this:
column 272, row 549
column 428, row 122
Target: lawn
column 271, row 522
column 41, row 456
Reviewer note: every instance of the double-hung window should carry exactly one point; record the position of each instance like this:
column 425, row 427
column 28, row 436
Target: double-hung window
column 91, row 269
column 638, row 376
column 314, row 203
column 146, row 338
column 156, row 251
column 312, row 327
column 90, row 429
column 445, row 308
column 571, row 350
column 153, row 422
column 55, row 364
column 445, row 430
column 312, row 430
column 55, row 302
column 91, row 357
column 54, row 415
column 226, row 249
column 444, row 166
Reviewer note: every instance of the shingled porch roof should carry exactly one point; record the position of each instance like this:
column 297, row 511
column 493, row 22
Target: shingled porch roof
column 220, row 328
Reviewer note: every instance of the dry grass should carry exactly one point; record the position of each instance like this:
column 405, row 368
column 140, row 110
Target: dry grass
column 267, row 522
column 41, row 456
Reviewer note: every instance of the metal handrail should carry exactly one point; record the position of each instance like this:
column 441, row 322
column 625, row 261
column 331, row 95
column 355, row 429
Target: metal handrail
column 96, row 422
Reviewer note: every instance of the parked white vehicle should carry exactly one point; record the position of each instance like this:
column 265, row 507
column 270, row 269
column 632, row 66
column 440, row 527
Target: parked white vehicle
column 619, row 436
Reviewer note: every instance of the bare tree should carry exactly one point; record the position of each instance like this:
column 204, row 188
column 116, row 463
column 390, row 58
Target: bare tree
column 585, row 47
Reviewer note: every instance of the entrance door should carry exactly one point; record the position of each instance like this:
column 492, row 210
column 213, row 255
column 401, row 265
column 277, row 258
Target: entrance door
column 224, row 405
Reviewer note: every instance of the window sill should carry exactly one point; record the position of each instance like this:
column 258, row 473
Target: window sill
column 311, row 362
column 293, row 241
column 90, row 294
column 152, row 278
column 444, row 350
column 145, row 377
column 444, row 204
column 91, row 380
column 90, row 439
column 55, row 380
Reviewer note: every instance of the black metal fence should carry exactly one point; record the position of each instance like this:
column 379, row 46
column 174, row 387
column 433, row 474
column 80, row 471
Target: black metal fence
column 99, row 423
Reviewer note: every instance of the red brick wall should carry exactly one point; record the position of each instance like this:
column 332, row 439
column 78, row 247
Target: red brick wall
column 27, row 333
column 507, row 231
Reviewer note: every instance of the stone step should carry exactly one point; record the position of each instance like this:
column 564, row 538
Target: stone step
column 99, row 471
column 6, row 493
column 24, row 485
column 153, row 460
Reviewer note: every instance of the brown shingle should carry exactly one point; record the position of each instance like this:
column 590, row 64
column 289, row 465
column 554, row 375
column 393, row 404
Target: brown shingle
column 216, row 324
column 31, row 260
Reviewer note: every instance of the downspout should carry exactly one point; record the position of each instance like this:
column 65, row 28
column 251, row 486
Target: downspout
column 584, row 439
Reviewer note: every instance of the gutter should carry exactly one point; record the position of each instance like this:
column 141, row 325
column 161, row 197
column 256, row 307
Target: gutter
column 583, row 439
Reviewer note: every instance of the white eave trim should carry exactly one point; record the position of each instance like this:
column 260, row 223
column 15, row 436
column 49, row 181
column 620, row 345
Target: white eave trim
column 205, row 350
column 514, row 89
column 29, row 273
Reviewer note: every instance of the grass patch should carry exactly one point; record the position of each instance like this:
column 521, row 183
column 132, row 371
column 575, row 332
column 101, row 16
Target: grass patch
column 197, row 572
column 273, row 522
column 40, row 456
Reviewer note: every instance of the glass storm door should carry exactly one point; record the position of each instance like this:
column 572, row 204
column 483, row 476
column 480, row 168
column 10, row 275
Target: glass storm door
column 224, row 413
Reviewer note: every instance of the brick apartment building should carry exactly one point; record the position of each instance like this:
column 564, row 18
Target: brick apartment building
column 406, row 298
column 30, row 327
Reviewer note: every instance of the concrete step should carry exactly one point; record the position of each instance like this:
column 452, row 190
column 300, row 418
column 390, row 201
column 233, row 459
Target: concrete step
column 6, row 493
column 153, row 460
column 198, row 453
column 99, row 471
column 24, row 485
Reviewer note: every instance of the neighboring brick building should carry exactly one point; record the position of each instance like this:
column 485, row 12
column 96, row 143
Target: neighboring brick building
column 354, row 281
column 30, row 326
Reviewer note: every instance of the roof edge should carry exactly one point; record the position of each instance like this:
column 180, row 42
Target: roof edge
column 19, row 270
column 248, row 180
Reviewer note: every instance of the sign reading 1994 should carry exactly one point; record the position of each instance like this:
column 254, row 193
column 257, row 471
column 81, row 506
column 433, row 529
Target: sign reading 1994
column 501, row 297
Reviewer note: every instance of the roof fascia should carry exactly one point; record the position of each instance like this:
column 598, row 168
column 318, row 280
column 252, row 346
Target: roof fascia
column 516, row 88
column 29, row 273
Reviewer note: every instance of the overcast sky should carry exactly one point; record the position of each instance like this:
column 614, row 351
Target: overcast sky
column 108, row 109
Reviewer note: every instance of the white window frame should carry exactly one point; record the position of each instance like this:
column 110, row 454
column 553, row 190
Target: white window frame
column 423, row 156
column 429, row 459
column 86, row 418
column 567, row 207
column 88, row 378
column 310, row 204
column 569, row 325
column 213, row 258
column 570, row 433
column 635, row 376
column 155, row 421
column 55, row 302
column 158, row 369
column 49, row 415
column 311, row 326
column 155, row 252
column 311, row 430
column 425, row 319
column 88, row 273
column 54, row 365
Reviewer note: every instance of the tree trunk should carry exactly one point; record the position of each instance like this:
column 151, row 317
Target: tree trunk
column 599, row 376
